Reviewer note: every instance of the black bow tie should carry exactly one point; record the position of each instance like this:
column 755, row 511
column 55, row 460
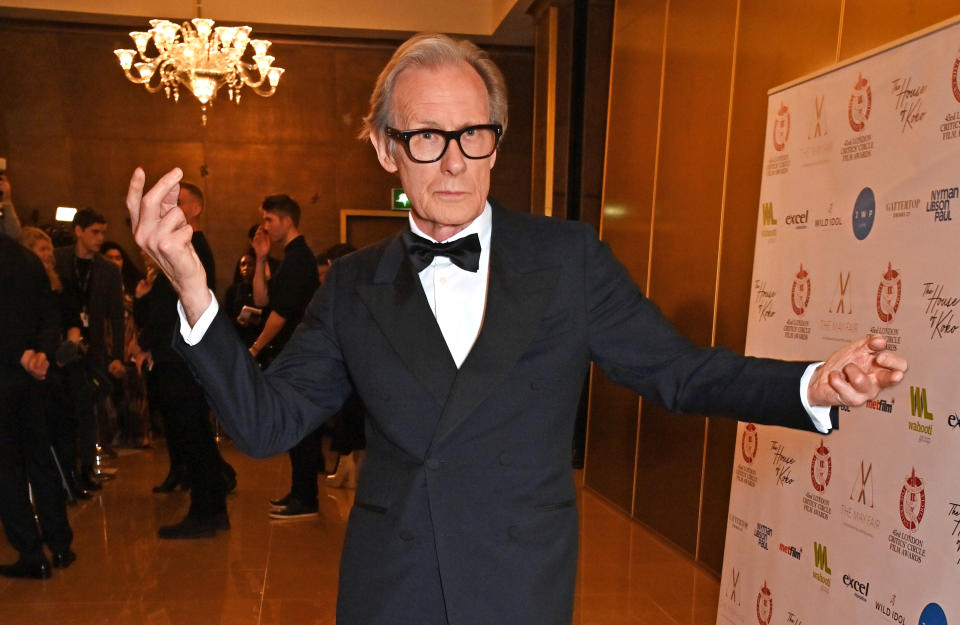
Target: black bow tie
column 464, row 253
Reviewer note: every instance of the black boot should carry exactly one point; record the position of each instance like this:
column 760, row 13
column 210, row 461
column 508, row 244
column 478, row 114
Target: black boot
column 175, row 478
column 74, row 488
column 88, row 480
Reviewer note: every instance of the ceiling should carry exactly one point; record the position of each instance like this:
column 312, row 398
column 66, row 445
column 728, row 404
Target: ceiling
column 486, row 21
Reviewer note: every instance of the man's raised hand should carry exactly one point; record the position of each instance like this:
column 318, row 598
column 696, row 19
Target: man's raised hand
column 855, row 374
column 161, row 230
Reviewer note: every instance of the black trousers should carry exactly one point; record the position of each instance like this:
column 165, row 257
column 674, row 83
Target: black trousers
column 305, row 460
column 178, row 397
column 26, row 456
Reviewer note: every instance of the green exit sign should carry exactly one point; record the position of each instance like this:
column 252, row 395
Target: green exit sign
column 400, row 200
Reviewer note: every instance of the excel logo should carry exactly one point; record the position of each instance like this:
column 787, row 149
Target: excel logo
column 821, row 571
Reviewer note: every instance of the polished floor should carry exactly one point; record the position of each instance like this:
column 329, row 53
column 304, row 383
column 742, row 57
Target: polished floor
column 285, row 572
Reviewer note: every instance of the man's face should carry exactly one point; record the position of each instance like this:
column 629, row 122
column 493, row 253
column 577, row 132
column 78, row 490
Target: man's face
column 90, row 238
column 450, row 193
column 188, row 204
column 276, row 225
column 115, row 257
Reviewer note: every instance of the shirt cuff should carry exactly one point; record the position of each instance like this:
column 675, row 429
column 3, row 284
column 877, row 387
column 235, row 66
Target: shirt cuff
column 192, row 336
column 820, row 415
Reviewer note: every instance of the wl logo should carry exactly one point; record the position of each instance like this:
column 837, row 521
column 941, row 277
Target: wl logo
column 768, row 218
column 918, row 403
column 820, row 557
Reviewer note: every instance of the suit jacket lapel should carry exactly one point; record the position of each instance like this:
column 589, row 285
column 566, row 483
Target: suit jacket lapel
column 398, row 304
column 515, row 304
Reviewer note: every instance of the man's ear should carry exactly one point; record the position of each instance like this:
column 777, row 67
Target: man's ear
column 382, row 145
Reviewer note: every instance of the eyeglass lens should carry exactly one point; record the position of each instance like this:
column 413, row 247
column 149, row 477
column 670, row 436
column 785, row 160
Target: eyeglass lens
column 475, row 143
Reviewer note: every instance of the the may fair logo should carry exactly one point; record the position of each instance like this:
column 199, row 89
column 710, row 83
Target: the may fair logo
column 799, row 329
column 780, row 163
column 859, row 512
column 821, row 470
column 950, row 128
column 841, row 308
column 909, row 102
column 763, row 300
column 864, row 211
column 940, row 310
column 858, row 112
column 913, row 504
column 889, row 294
column 817, row 149
column 730, row 607
column 749, row 445
column 764, row 605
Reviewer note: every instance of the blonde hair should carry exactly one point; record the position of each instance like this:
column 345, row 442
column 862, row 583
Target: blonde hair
column 434, row 50
column 29, row 236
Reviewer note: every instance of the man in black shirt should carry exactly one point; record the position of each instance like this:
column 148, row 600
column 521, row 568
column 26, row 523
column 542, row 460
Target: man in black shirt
column 178, row 397
column 288, row 294
column 93, row 292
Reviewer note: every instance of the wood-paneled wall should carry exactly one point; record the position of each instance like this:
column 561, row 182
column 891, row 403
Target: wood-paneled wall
column 684, row 149
column 73, row 129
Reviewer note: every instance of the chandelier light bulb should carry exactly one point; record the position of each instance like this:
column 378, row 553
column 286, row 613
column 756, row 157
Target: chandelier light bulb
column 201, row 57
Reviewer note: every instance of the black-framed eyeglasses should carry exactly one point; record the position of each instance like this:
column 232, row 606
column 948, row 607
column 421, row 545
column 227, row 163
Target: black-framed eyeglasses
column 428, row 145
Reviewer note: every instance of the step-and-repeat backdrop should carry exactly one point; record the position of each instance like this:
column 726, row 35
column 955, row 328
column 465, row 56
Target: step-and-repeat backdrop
column 858, row 233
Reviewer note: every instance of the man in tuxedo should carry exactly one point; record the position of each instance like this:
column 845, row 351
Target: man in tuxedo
column 467, row 338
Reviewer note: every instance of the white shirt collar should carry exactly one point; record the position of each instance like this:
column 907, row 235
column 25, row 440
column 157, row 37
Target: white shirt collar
column 481, row 226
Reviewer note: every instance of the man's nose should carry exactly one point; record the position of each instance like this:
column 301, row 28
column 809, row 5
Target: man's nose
column 453, row 161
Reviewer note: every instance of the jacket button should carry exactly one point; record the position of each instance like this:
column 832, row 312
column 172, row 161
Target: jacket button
column 433, row 463
column 513, row 531
column 406, row 535
column 506, row 459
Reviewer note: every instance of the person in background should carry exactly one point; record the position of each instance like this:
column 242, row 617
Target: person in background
column 239, row 296
column 29, row 334
column 92, row 286
column 128, row 397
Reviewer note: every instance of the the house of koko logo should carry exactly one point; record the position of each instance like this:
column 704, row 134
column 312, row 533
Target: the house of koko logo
column 889, row 295
column 765, row 605
column 859, row 511
column 749, row 445
column 858, row 113
column 861, row 102
column 913, row 504
column 864, row 212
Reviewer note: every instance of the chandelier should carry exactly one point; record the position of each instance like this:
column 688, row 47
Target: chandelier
column 201, row 58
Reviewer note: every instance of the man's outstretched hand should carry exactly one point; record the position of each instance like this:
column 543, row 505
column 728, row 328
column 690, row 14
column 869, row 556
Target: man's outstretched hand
column 856, row 373
column 161, row 230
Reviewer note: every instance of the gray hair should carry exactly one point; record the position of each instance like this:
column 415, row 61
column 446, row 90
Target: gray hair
column 434, row 50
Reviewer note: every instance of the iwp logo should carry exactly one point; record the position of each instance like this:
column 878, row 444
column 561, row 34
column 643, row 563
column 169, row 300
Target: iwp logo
column 781, row 128
column 913, row 501
column 764, row 605
column 821, row 468
column 749, row 443
column 864, row 211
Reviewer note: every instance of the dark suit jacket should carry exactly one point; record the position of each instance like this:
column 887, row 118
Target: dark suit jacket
column 466, row 508
column 105, row 306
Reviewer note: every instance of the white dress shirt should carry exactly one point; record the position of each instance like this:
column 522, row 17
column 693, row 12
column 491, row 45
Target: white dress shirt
column 458, row 300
